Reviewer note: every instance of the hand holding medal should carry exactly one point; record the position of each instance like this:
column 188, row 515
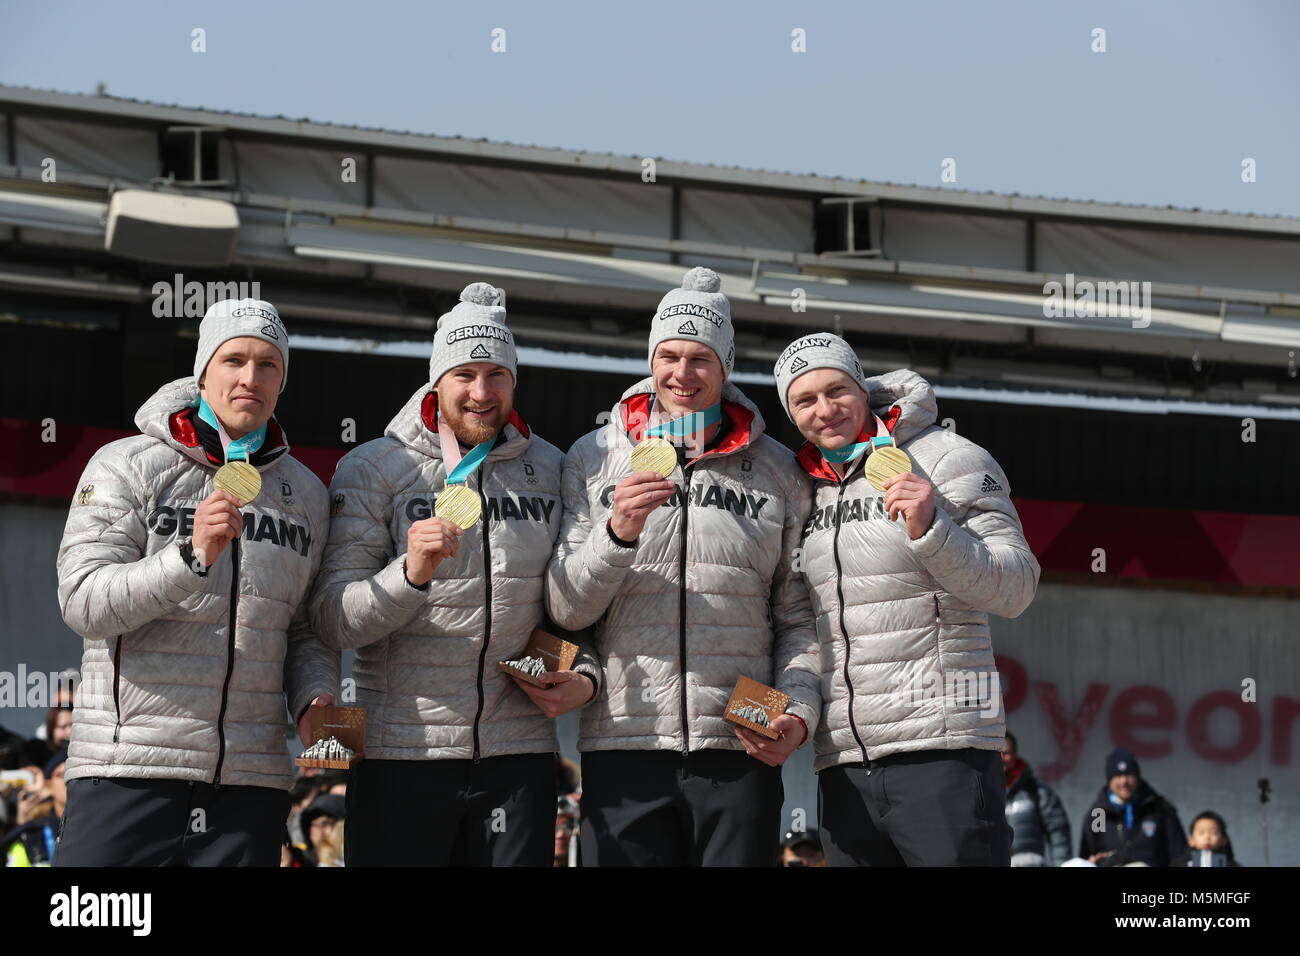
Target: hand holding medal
column 889, row 469
column 218, row 520
column 456, row 509
column 653, row 460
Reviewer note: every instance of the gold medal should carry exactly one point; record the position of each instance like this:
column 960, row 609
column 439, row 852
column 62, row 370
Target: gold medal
column 654, row 454
column 459, row 505
column 886, row 462
column 240, row 479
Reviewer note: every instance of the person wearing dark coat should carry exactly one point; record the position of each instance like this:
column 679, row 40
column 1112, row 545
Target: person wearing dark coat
column 1039, row 824
column 328, row 809
column 1136, row 824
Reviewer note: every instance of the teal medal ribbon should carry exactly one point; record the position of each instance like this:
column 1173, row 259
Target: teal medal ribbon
column 237, row 449
column 850, row 452
column 688, row 424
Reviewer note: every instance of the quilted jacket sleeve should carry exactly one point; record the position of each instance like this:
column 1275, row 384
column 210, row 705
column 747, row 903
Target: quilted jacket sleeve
column 311, row 668
column 975, row 547
column 796, row 658
column 361, row 593
column 107, row 586
column 1055, row 824
column 588, row 566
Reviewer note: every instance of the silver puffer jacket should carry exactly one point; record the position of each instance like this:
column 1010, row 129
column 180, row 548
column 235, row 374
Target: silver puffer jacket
column 906, row 653
column 426, row 666
column 706, row 595
column 185, row 676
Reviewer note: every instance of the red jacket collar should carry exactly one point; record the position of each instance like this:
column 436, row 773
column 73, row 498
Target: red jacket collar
column 636, row 416
column 429, row 415
column 810, row 456
column 1014, row 773
column 181, row 425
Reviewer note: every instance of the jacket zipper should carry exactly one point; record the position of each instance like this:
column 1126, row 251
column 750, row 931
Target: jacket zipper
column 230, row 660
column 487, row 620
column 117, row 684
column 681, row 606
column 839, row 593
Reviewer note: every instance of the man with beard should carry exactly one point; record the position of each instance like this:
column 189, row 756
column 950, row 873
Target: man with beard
column 1130, row 822
column 185, row 564
column 687, row 573
column 909, row 771
column 459, row 764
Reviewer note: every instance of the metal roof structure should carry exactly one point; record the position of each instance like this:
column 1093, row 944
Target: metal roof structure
column 946, row 281
column 109, row 107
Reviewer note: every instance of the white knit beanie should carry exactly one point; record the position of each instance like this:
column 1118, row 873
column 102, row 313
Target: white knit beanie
column 697, row 312
column 819, row 350
column 474, row 331
column 234, row 318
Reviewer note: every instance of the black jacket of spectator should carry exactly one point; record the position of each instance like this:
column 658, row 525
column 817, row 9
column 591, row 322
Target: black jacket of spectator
column 1156, row 838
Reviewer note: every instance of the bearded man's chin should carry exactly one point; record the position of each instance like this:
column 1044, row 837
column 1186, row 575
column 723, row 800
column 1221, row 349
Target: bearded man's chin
column 474, row 434
column 471, row 433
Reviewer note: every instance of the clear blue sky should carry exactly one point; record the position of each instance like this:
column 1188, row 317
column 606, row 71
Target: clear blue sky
column 885, row 91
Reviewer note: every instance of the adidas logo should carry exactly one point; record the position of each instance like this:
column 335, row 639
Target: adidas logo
column 798, row 364
column 480, row 353
column 688, row 328
column 269, row 332
column 990, row 485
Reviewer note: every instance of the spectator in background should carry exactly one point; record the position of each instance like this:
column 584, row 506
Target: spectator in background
column 301, row 794
column 1208, row 841
column 18, row 752
column 568, row 776
column 294, row 854
column 566, row 831
column 802, row 848
column 1039, row 826
column 319, row 822
column 58, row 727
column 13, row 750
column 330, row 850
column 1135, row 825
column 568, row 815
column 34, row 840
column 334, row 781
column 65, row 692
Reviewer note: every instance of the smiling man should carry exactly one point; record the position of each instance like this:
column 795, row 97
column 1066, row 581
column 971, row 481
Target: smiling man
column 191, row 601
column 689, row 581
column 903, row 580
column 459, row 767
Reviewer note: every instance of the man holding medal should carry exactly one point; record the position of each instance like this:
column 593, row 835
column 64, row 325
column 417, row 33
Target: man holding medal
column 187, row 556
column 912, row 542
column 439, row 538
column 681, row 524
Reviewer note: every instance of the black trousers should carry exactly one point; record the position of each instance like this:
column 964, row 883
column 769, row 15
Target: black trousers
column 663, row 808
column 927, row 808
column 129, row 822
column 497, row 812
